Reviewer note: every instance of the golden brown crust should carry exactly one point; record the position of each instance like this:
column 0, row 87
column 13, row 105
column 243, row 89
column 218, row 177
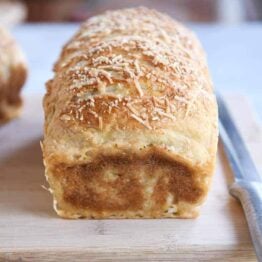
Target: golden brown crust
column 131, row 81
column 13, row 72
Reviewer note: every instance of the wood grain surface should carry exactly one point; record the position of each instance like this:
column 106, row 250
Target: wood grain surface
column 31, row 231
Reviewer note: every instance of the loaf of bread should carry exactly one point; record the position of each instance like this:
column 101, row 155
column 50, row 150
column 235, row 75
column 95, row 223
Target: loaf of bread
column 130, row 120
column 13, row 71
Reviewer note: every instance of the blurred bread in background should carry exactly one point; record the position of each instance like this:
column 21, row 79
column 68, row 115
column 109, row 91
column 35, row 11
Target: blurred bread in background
column 13, row 72
column 12, row 12
column 214, row 11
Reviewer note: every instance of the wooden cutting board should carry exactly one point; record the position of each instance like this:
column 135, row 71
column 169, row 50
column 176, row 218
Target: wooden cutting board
column 31, row 231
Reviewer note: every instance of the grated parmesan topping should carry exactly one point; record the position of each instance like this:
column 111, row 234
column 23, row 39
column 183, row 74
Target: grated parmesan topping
column 137, row 64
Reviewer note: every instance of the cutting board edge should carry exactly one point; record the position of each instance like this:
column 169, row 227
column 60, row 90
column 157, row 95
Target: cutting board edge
column 242, row 252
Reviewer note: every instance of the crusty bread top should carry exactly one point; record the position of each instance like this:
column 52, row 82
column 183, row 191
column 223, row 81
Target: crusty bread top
column 135, row 76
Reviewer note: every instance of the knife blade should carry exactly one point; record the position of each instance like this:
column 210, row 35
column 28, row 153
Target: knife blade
column 235, row 145
column 247, row 187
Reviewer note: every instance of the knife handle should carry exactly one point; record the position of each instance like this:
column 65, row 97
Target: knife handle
column 249, row 194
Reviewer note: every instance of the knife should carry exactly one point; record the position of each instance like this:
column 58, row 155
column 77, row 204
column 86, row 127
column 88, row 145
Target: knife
column 247, row 186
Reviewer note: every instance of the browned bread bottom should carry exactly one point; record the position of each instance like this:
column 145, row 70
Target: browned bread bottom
column 127, row 186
